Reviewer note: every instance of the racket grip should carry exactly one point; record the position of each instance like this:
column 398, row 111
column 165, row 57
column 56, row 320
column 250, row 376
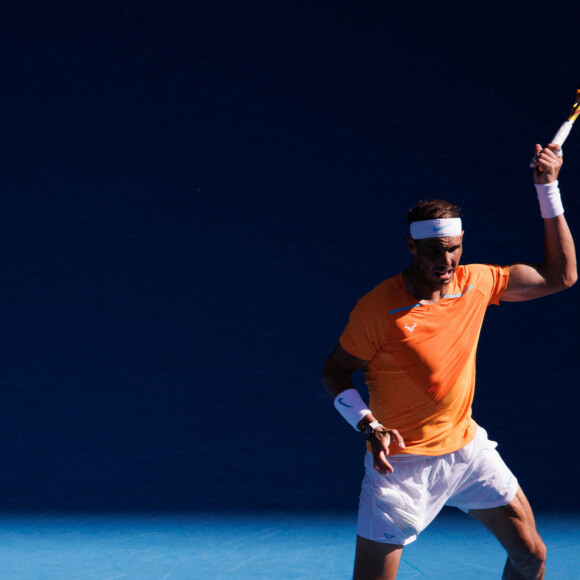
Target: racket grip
column 562, row 133
column 558, row 139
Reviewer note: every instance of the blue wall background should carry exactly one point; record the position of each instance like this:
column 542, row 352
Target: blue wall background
column 194, row 196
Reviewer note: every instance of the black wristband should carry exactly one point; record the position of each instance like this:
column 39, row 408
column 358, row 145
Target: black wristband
column 369, row 430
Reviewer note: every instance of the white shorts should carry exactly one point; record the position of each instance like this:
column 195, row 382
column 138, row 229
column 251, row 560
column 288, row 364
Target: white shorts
column 394, row 509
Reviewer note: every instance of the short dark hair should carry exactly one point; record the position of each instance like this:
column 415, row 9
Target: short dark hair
column 433, row 209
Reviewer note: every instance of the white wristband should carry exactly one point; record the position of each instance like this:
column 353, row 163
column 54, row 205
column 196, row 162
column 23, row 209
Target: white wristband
column 550, row 199
column 350, row 405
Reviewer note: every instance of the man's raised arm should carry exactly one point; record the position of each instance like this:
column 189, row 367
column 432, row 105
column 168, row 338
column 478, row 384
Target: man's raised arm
column 558, row 270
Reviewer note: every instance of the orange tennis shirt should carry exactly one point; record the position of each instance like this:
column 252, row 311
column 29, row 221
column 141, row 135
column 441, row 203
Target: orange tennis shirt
column 421, row 357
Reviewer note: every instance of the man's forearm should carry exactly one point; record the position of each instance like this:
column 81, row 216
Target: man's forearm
column 559, row 267
column 336, row 381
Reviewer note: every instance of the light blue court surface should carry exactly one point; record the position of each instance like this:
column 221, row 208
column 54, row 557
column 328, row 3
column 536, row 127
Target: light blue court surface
column 275, row 546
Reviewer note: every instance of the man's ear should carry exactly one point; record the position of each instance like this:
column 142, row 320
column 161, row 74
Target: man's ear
column 411, row 246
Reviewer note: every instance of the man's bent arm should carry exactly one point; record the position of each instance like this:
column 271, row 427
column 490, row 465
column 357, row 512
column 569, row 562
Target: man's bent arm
column 336, row 377
column 558, row 271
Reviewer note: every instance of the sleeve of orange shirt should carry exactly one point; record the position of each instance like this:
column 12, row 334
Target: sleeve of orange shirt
column 495, row 276
column 367, row 327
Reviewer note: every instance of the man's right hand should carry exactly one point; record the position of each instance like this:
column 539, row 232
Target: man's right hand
column 380, row 441
column 548, row 164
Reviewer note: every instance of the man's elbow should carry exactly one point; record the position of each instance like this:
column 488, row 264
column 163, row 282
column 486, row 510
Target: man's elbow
column 567, row 280
column 572, row 279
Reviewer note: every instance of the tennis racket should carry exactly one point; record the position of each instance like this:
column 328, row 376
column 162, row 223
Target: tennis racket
column 566, row 127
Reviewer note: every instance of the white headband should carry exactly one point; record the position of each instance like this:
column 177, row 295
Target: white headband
column 440, row 228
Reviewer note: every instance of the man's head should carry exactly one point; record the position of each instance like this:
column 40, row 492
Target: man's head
column 435, row 241
column 432, row 209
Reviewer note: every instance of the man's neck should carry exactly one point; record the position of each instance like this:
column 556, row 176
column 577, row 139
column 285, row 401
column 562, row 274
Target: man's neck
column 422, row 290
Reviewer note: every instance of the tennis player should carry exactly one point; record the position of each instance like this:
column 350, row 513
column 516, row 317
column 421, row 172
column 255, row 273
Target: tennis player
column 415, row 336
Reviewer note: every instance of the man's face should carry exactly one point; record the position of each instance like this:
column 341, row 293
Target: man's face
column 435, row 259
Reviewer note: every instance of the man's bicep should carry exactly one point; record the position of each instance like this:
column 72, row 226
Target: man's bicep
column 525, row 282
